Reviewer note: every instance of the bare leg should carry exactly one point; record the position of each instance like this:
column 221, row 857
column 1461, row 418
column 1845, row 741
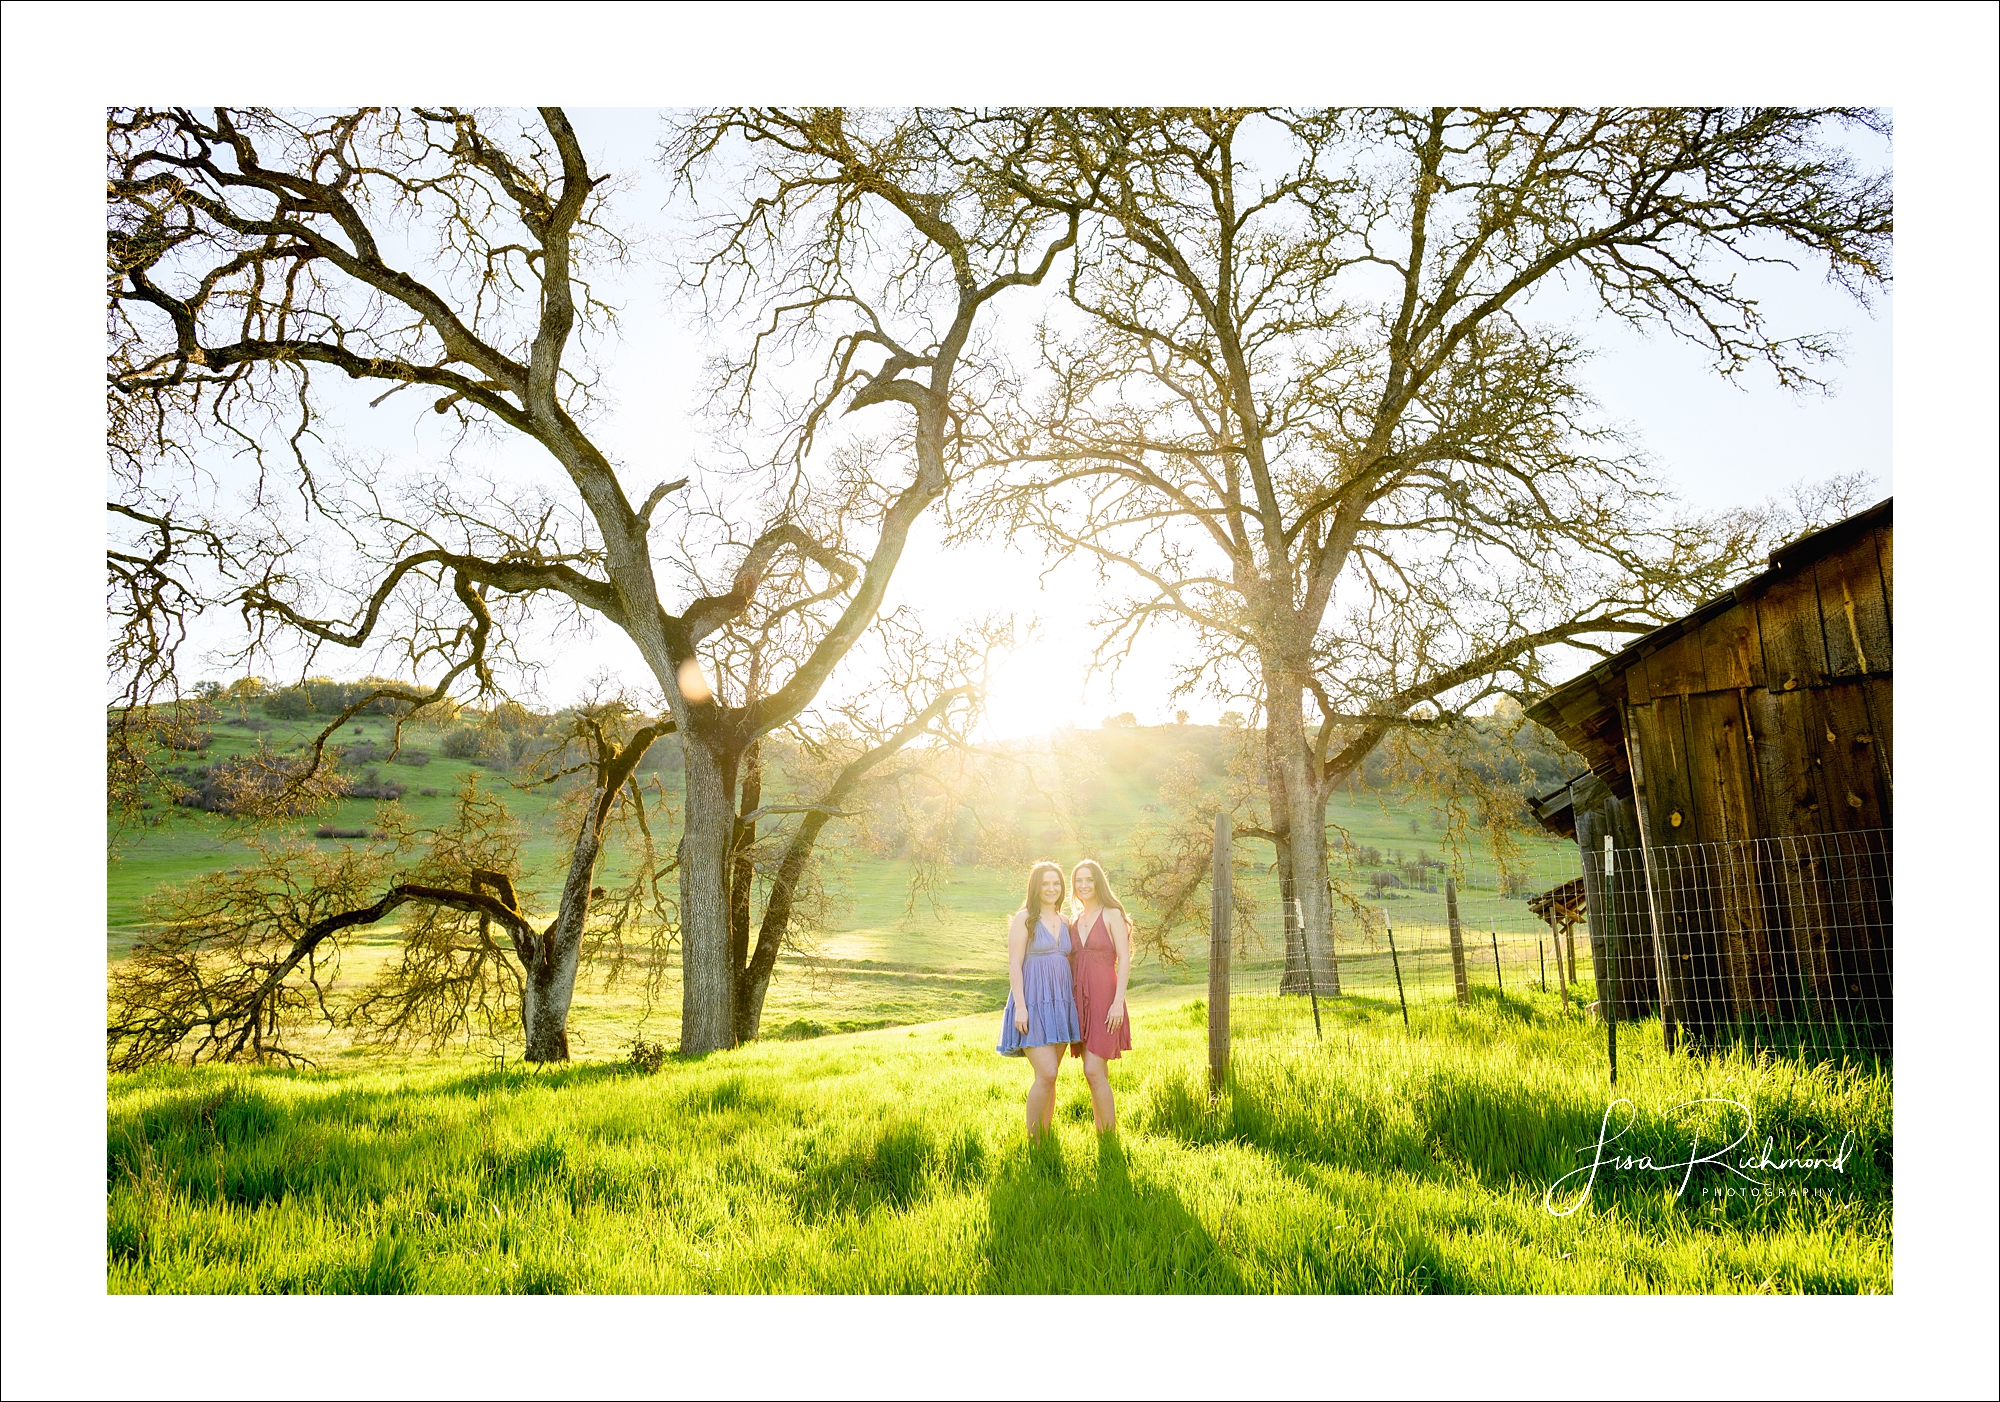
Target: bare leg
column 1046, row 1061
column 1097, row 1071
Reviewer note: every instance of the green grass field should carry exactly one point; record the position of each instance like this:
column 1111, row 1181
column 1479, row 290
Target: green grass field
column 873, row 1141
column 894, row 1161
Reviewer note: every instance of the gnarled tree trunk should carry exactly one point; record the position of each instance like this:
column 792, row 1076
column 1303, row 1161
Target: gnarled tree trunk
column 708, row 983
column 756, row 980
column 549, row 960
column 1298, row 796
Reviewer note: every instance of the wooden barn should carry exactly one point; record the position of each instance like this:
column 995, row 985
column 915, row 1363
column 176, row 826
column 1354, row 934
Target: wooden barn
column 1740, row 772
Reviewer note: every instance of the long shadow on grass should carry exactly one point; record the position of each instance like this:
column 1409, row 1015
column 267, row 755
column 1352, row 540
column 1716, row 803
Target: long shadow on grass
column 1054, row 1230
column 898, row 1166
column 1454, row 1123
column 1330, row 1105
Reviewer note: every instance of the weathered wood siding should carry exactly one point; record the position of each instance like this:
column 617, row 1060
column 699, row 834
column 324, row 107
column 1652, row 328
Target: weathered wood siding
column 1770, row 719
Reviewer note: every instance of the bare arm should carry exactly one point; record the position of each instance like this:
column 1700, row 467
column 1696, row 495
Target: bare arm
column 1017, row 949
column 1121, row 942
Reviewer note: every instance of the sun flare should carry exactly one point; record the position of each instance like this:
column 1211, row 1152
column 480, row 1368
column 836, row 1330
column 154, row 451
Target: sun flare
column 1036, row 688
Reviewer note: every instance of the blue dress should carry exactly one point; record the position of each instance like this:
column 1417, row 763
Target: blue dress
column 1047, row 986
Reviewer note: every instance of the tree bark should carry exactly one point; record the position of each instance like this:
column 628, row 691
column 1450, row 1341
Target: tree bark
column 550, row 959
column 708, row 983
column 550, row 981
column 753, row 978
column 742, row 866
column 756, row 979
column 1298, row 796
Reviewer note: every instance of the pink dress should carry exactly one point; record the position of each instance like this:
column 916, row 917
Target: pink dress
column 1093, row 963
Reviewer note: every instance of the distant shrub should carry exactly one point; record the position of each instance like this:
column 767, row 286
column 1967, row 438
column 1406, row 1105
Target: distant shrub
column 293, row 703
column 648, row 1056
column 179, row 739
column 1380, row 881
column 255, row 782
column 372, row 785
column 428, row 793
column 471, row 742
column 416, row 759
column 343, row 832
column 252, row 723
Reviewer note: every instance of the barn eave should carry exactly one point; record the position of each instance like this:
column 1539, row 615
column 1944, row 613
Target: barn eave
column 1587, row 712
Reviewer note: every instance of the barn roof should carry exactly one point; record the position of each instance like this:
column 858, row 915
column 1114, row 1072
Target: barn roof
column 1585, row 711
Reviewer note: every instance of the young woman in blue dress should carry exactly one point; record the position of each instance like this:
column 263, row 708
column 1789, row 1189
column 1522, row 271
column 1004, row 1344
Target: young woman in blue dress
column 1040, row 1021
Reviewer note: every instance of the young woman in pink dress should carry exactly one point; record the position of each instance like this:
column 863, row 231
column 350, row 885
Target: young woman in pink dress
column 1101, row 965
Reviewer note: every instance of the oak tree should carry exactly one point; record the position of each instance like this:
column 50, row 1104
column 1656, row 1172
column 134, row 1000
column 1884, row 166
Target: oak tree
column 234, row 962
column 254, row 254
column 1303, row 401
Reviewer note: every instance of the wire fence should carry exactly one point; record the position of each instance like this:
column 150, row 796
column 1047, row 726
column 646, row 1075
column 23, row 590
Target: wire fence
column 1396, row 943
column 1776, row 943
column 1784, row 943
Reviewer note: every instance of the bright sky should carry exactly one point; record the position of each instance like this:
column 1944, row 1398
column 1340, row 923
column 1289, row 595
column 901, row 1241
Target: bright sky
column 1717, row 444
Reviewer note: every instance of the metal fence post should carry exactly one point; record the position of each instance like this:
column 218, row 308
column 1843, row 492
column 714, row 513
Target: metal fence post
column 1607, row 997
column 1218, row 958
column 1499, row 984
column 1396, row 964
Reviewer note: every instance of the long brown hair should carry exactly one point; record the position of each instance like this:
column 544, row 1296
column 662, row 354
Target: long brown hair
column 1033, row 903
column 1106, row 897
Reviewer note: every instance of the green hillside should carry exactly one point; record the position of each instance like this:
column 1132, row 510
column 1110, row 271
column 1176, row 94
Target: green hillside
column 879, row 961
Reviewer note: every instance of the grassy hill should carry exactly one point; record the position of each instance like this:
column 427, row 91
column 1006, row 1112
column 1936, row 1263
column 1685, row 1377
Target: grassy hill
column 894, row 1161
column 879, row 962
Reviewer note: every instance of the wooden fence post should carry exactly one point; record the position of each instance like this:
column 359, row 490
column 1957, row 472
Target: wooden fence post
column 1458, row 980
column 1219, row 914
column 1556, row 938
column 1312, row 978
column 1499, row 984
column 1332, row 951
column 1666, row 974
